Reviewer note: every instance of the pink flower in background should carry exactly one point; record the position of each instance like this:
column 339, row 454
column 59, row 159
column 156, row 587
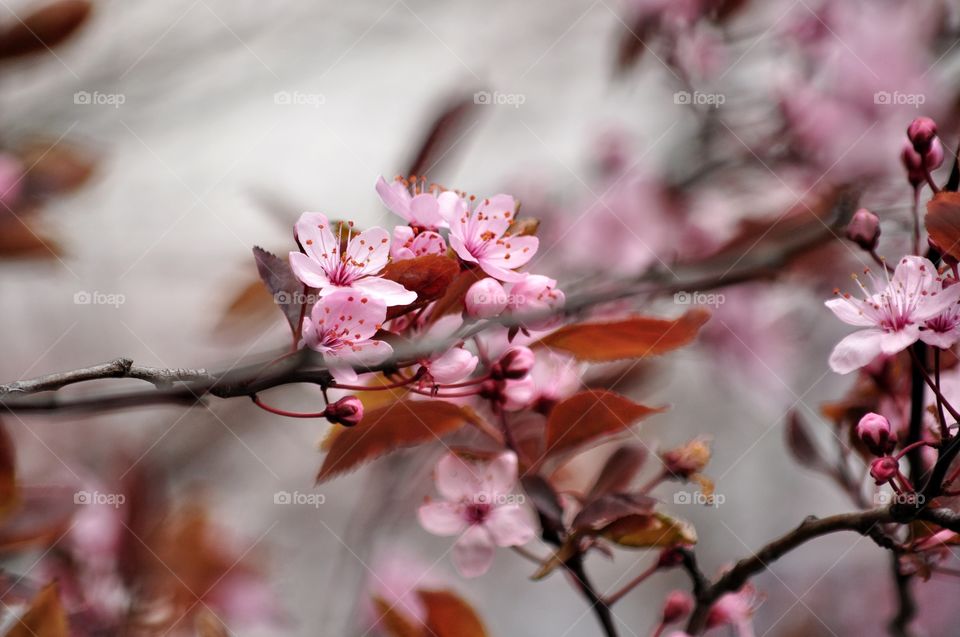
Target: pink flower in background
column 396, row 579
column 478, row 507
column 537, row 296
column 455, row 364
column 894, row 315
column 478, row 237
column 340, row 327
column 407, row 243
column 325, row 268
column 423, row 206
column 736, row 610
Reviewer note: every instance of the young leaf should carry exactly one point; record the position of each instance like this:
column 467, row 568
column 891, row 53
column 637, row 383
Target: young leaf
column 943, row 222
column 618, row 471
column 653, row 530
column 283, row 285
column 634, row 337
column 801, row 444
column 44, row 28
column 8, row 481
column 44, row 618
column 611, row 507
column 405, row 423
column 446, row 131
column 590, row 415
column 429, row 276
column 448, row 615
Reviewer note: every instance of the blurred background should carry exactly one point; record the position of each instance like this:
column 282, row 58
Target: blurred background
column 147, row 152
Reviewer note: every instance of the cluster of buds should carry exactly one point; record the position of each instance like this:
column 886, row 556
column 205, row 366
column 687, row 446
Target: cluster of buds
column 922, row 152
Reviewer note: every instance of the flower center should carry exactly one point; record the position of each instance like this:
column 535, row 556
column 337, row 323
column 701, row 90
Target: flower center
column 477, row 512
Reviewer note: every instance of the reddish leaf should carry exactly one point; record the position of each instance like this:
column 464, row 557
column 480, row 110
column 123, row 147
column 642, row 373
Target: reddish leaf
column 446, row 131
column 452, row 300
column 655, row 530
column 801, row 444
column 610, row 508
column 394, row 622
column 8, row 473
column 44, row 28
column 285, row 289
column 618, row 472
column 429, row 276
column 44, row 618
column 18, row 240
column 449, row 616
column 55, row 167
column 943, row 222
column 405, row 423
column 39, row 518
column 634, row 337
column 590, row 415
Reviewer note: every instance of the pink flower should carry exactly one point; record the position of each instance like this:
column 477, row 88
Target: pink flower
column 478, row 237
column 536, row 296
column 340, row 327
column 735, row 610
column 325, row 268
column 485, row 299
column 894, row 315
column 407, row 243
column 478, row 507
column 423, row 206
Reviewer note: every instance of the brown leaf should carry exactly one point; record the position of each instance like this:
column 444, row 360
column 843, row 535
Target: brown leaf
column 634, row 337
column 285, row 289
column 207, row 624
column 18, row 240
column 655, row 530
column 618, row 471
column 943, row 222
column 39, row 518
column 445, row 132
column 44, row 618
column 448, row 615
column 44, row 28
column 611, row 507
column 429, row 276
column 55, row 167
column 590, row 415
column 453, row 300
column 801, row 445
column 405, row 423
column 392, row 621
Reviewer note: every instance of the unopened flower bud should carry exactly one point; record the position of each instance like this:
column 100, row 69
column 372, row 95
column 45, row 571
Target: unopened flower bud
column 864, row 229
column 875, row 432
column 933, row 158
column 347, row 411
column 913, row 163
column 677, row 606
column 485, row 299
column 515, row 363
column 884, row 469
column 922, row 131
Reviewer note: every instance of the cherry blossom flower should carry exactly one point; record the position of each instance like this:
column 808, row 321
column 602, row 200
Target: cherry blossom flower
column 453, row 365
column 424, row 206
column 340, row 327
column 407, row 243
column 478, row 236
column 478, row 507
column 894, row 315
column 537, row 296
column 736, row 610
column 325, row 268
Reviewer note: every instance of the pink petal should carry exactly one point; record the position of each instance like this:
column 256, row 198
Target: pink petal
column 943, row 340
column 369, row 251
column 425, row 211
column 500, row 475
column 360, row 355
column 451, row 206
column 473, row 552
column 444, row 327
column 511, row 252
column 456, row 242
column 848, row 311
column 855, row 351
column 914, row 273
column 457, row 479
column 502, row 274
column 352, row 314
column 313, row 233
column 395, row 197
column 453, row 366
column 385, row 291
column 899, row 340
column 308, row 270
column 934, row 304
column 428, row 242
column 511, row 525
column 442, row 518
column 499, row 209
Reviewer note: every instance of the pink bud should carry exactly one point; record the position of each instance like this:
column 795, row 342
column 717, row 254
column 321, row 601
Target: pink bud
column 485, row 299
column 934, row 156
column 922, row 131
column 864, row 229
column 677, row 606
column 884, row 469
column 875, row 432
column 516, row 363
column 913, row 163
column 347, row 411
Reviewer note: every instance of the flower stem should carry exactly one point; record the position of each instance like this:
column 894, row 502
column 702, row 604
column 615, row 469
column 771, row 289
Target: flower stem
column 629, row 586
column 283, row 412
